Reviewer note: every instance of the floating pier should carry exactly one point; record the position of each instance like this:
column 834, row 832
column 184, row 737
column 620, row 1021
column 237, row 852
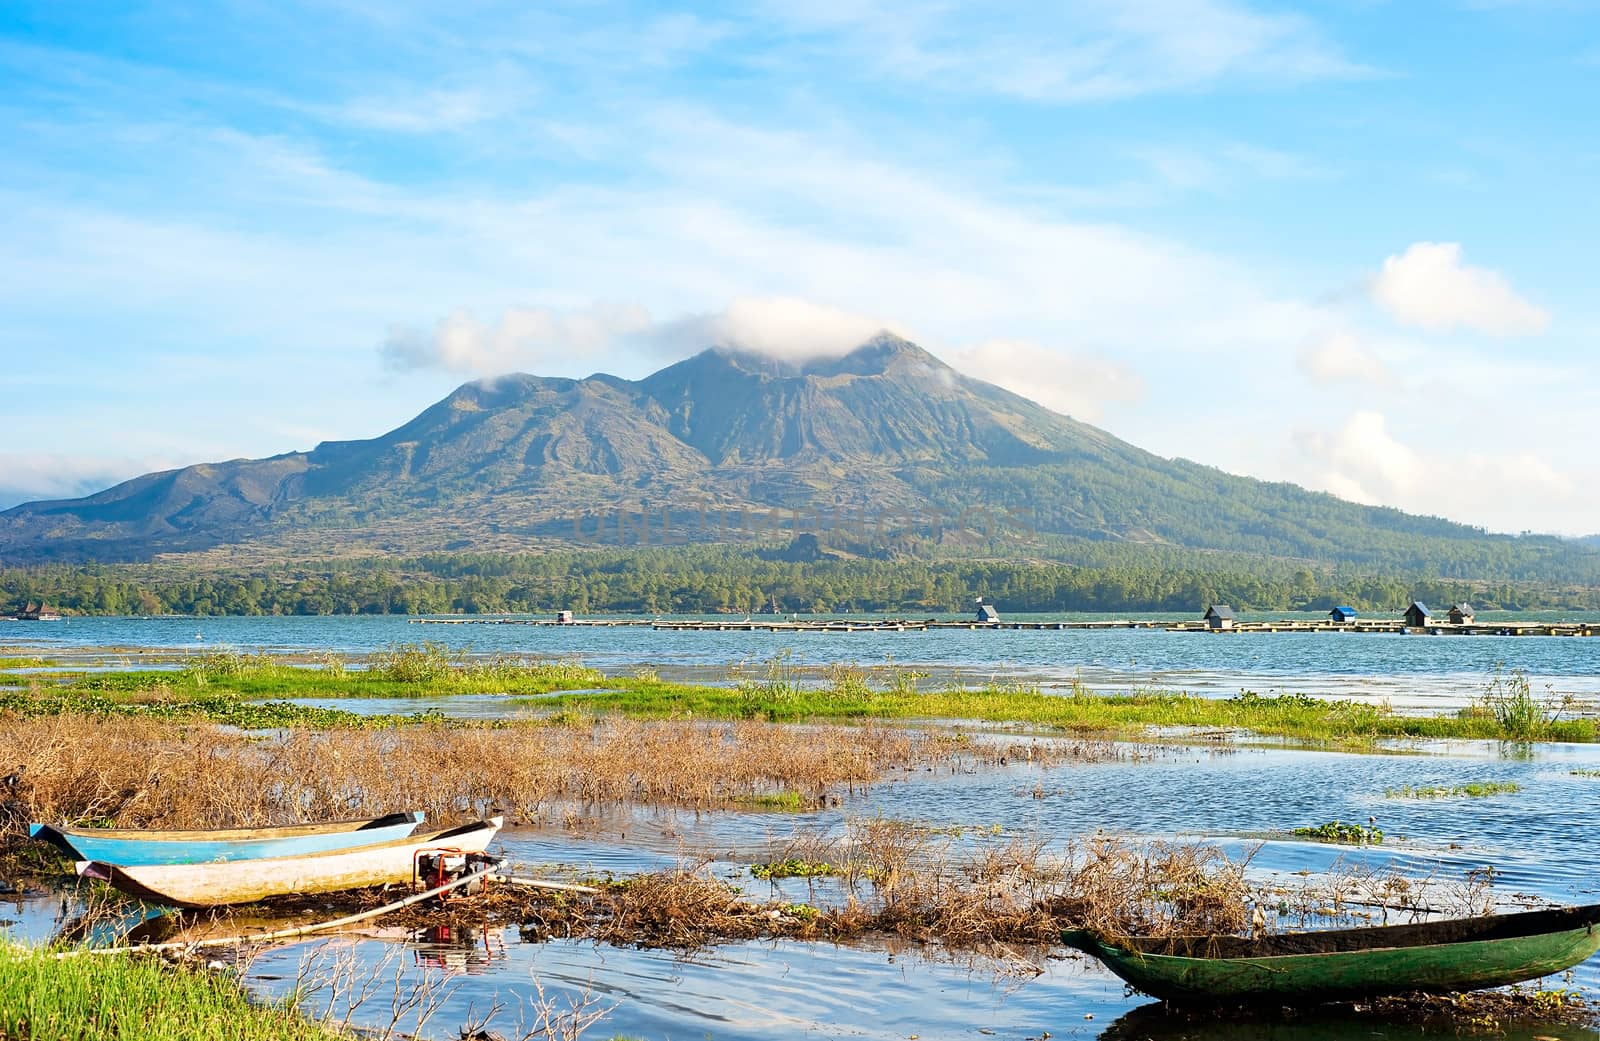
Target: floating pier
column 1396, row 626
column 778, row 624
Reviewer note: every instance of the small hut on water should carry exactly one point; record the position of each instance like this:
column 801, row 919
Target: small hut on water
column 1417, row 615
column 1342, row 614
column 1219, row 616
column 1462, row 614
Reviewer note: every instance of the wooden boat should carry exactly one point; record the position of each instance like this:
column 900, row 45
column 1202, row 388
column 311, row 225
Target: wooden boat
column 1455, row 955
column 246, row 881
column 137, row 846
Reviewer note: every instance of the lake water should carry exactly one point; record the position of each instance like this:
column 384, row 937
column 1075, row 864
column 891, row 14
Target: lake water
column 1418, row 672
column 1246, row 797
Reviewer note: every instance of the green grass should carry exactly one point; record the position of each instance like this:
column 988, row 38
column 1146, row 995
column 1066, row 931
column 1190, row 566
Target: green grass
column 787, row 800
column 1288, row 715
column 220, row 687
column 24, row 663
column 227, row 709
column 1470, row 790
column 402, row 670
column 43, row 998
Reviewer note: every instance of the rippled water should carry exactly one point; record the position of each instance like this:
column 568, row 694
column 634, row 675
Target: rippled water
column 1247, row 798
column 1426, row 672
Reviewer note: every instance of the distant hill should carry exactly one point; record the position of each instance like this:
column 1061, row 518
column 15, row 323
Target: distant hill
column 883, row 444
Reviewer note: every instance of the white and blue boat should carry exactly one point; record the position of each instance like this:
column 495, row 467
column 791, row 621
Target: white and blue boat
column 137, row 846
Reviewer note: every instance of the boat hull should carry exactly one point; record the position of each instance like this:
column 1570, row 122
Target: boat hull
column 246, row 881
column 130, row 846
column 1552, row 942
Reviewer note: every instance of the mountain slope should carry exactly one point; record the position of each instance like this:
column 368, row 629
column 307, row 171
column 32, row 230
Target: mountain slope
column 887, row 433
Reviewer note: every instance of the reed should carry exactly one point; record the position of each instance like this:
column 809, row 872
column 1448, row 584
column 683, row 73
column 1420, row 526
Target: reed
column 999, row 899
column 138, row 772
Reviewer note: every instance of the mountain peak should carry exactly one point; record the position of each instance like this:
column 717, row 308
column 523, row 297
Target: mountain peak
column 517, row 462
column 875, row 357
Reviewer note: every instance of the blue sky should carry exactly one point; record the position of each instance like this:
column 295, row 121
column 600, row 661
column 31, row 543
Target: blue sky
column 1347, row 244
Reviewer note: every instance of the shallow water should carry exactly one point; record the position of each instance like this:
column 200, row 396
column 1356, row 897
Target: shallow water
column 1534, row 839
column 1429, row 672
column 1247, row 798
column 482, row 707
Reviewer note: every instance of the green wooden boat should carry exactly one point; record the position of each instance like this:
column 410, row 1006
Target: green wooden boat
column 1455, row 955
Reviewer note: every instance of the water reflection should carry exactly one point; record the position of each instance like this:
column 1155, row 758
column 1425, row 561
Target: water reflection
column 1533, row 838
column 457, row 948
column 1158, row 1022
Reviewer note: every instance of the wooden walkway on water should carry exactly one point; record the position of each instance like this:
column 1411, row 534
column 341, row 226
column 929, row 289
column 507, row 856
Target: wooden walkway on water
column 779, row 624
column 1398, row 626
column 785, row 625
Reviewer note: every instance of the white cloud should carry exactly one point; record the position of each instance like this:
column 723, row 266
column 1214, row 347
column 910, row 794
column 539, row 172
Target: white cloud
column 1073, row 50
column 679, row 209
column 1342, row 358
column 787, row 328
column 523, row 339
column 1363, row 461
column 1428, row 286
column 430, row 111
column 1077, row 384
column 29, row 476
column 532, row 339
column 1470, row 480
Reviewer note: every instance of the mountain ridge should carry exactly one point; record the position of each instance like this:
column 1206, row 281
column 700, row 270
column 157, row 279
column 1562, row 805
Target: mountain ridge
column 515, row 462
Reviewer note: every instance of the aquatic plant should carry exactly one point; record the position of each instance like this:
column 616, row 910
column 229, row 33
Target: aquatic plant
column 1078, row 711
column 201, row 669
column 413, row 662
column 903, row 682
column 1509, row 700
column 781, row 685
column 521, row 672
column 1470, row 790
column 793, row 867
column 789, row 800
column 1347, row 834
column 845, row 681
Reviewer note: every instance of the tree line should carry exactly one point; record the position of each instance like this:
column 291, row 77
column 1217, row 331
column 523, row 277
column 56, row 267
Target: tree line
column 712, row 579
